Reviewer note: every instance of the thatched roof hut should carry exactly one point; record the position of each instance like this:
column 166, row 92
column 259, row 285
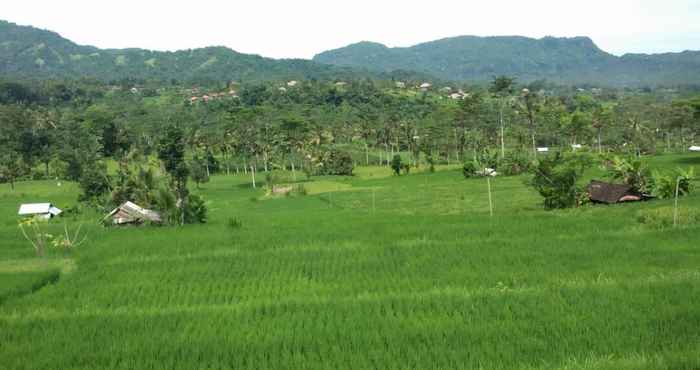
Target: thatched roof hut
column 604, row 192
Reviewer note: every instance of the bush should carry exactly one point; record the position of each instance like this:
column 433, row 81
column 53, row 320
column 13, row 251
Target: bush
column 470, row 169
column 513, row 164
column 487, row 159
column 337, row 162
column 555, row 178
column 195, row 210
column 396, row 164
column 664, row 185
column 631, row 171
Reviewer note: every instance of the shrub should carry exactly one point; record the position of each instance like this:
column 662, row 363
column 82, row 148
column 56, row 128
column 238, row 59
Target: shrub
column 664, row 185
column 396, row 165
column 513, row 164
column 337, row 162
column 555, row 178
column 631, row 171
column 469, row 169
column 487, row 159
column 195, row 210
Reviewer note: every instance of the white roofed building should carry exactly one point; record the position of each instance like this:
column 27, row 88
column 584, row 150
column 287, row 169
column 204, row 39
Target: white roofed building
column 40, row 210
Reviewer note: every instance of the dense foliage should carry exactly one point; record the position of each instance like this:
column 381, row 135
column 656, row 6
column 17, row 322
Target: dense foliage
column 72, row 129
column 556, row 178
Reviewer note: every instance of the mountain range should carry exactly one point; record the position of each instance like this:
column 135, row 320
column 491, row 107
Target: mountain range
column 28, row 52
column 574, row 60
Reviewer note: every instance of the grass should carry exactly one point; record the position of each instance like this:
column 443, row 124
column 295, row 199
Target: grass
column 424, row 280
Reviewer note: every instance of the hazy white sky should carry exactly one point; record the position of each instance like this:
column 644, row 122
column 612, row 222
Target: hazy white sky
column 302, row 28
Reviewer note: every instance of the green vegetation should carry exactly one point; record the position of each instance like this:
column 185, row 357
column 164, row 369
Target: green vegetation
column 21, row 57
column 574, row 60
column 27, row 52
column 425, row 279
column 288, row 241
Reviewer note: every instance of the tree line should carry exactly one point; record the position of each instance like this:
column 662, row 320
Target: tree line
column 70, row 129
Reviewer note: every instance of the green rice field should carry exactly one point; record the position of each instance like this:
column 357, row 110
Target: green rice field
column 370, row 271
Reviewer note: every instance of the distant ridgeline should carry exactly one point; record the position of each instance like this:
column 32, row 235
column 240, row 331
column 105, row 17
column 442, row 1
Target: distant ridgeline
column 560, row 60
column 28, row 52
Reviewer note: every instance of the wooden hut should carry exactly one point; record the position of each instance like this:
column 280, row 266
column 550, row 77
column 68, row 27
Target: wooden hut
column 604, row 192
column 130, row 213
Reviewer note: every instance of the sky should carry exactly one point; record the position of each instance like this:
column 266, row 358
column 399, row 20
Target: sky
column 303, row 28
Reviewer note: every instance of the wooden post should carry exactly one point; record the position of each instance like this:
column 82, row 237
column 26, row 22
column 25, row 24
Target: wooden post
column 503, row 142
column 675, row 204
column 488, row 183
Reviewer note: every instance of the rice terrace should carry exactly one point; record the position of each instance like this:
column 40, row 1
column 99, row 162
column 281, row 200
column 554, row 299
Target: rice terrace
column 370, row 208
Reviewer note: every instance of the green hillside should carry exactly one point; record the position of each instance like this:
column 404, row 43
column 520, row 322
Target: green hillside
column 28, row 52
column 562, row 60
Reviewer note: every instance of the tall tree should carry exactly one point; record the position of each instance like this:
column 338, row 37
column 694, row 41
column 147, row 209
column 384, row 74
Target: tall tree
column 531, row 103
column 502, row 86
column 171, row 151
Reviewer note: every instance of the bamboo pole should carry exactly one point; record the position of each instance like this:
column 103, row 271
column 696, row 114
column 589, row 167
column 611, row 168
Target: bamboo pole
column 488, row 183
column 675, row 203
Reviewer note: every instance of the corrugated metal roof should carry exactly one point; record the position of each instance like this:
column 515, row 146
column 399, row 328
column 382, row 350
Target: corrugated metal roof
column 35, row 208
column 129, row 212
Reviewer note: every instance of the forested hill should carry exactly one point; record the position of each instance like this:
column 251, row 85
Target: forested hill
column 28, row 52
column 562, row 60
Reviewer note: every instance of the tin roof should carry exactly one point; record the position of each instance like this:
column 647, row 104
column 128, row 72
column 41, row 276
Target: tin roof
column 38, row 209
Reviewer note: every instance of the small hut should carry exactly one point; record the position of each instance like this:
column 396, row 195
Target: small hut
column 130, row 213
column 39, row 210
column 604, row 192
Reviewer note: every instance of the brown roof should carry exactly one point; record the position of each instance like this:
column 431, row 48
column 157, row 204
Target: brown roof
column 604, row 192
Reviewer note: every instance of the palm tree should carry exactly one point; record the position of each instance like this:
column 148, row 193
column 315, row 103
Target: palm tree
column 502, row 87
